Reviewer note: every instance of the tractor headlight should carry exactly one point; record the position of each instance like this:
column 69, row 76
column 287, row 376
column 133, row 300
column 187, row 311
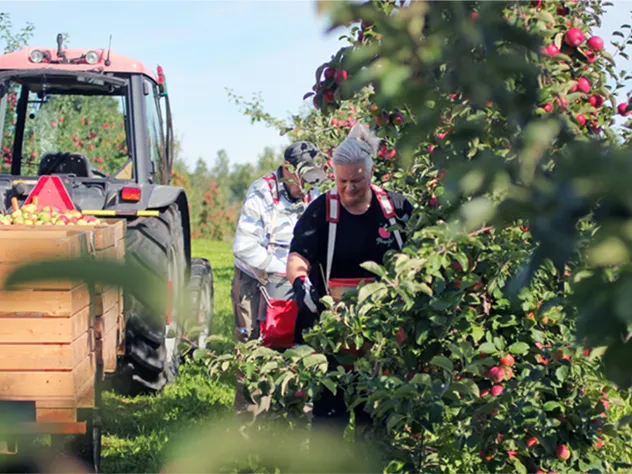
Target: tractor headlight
column 37, row 56
column 92, row 57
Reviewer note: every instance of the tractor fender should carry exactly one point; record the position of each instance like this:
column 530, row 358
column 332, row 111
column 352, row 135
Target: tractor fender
column 163, row 196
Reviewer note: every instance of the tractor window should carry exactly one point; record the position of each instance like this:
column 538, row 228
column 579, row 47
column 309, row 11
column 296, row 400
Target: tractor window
column 155, row 137
column 92, row 126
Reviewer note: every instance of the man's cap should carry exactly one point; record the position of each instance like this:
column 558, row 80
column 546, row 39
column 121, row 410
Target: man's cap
column 303, row 156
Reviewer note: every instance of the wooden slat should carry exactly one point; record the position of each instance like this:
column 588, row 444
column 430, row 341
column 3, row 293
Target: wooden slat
column 106, row 300
column 23, row 385
column 105, row 323
column 38, row 330
column 55, row 415
column 110, row 343
column 24, row 246
column 46, row 356
column 50, row 303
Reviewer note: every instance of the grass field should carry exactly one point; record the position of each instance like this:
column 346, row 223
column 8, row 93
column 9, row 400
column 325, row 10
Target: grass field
column 138, row 432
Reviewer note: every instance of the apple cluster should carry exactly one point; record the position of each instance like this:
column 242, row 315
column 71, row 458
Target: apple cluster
column 30, row 215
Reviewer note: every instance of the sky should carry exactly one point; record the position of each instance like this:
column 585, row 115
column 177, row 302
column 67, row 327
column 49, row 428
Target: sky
column 271, row 47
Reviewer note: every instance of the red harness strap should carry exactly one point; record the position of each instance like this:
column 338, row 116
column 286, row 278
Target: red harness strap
column 273, row 185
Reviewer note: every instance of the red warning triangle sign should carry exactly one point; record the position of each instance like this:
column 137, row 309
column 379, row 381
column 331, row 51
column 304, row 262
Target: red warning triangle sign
column 50, row 191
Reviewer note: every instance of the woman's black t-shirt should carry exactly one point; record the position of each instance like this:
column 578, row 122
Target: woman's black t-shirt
column 359, row 238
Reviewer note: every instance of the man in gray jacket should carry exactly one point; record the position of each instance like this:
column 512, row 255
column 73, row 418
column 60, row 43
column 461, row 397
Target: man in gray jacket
column 265, row 229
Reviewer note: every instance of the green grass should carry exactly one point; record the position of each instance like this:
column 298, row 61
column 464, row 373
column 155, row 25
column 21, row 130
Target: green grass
column 138, row 432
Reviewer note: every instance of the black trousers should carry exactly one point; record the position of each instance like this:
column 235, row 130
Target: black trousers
column 329, row 413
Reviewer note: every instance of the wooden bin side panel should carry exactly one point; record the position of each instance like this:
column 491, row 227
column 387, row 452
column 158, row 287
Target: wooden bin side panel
column 36, row 385
column 33, row 330
column 46, row 356
column 50, row 303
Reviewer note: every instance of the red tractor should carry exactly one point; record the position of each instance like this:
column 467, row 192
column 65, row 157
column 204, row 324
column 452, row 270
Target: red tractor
column 102, row 123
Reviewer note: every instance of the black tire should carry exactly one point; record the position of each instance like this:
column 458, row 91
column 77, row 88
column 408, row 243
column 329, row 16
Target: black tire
column 151, row 357
column 201, row 298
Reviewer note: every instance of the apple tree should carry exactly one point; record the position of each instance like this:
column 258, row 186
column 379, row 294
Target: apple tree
column 498, row 338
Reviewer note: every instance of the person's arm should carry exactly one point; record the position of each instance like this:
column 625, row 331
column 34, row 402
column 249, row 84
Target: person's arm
column 303, row 254
column 297, row 266
column 248, row 245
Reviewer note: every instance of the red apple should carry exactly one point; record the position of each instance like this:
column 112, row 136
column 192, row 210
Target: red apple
column 507, row 360
column 581, row 119
column 591, row 57
column 497, row 374
column 497, row 390
column 596, row 100
column 397, row 118
column 562, row 11
column 401, row 335
column 551, row 50
column 548, row 107
column 329, row 72
column 329, row 95
column 433, row 201
column 532, row 441
column 563, row 452
column 623, row 109
column 595, row 43
column 574, row 37
column 583, row 85
column 341, row 75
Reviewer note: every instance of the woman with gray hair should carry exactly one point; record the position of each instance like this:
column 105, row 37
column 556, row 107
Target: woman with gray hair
column 340, row 230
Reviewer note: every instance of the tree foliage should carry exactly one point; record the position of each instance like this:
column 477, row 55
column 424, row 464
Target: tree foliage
column 498, row 338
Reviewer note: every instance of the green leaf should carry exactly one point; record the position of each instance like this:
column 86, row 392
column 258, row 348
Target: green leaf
column 268, row 366
column 299, row 352
column 314, row 359
column 550, row 406
column 519, row 348
column 199, row 354
column 562, row 373
column 374, row 268
column 487, row 348
column 330, row 385
column 466, row 387
column 421, row 379
column 375, row 288
column 477, row 333
column 393, row 420
column 424, row 289
column 443, row 362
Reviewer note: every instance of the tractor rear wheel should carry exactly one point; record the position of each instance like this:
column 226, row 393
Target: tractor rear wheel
column 151, row 357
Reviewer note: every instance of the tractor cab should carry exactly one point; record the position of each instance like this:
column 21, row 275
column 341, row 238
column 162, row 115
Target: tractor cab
column 96, row 119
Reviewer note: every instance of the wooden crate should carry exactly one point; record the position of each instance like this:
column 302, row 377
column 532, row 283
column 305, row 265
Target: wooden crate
column 46, row 331
column 52, row 334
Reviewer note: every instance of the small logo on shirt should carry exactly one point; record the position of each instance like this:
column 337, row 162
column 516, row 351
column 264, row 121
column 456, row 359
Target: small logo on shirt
column 385, row 237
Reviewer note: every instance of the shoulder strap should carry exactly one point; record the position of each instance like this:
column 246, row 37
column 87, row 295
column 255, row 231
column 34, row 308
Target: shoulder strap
column 273, row 184
column 333, row 216
column 388, row 210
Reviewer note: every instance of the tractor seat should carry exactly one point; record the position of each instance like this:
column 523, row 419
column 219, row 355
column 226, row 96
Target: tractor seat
column 65, row 163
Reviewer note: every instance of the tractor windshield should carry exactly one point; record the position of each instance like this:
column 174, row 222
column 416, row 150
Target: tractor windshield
column 64, row 125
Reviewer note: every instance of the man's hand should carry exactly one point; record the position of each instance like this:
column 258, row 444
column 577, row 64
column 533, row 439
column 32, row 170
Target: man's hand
column 305, row 294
